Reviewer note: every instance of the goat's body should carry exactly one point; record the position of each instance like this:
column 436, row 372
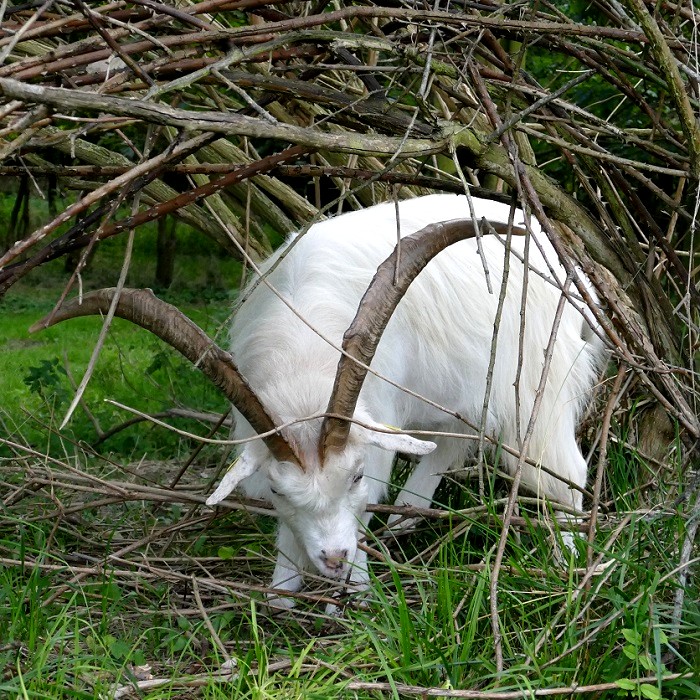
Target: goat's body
column 437, row 344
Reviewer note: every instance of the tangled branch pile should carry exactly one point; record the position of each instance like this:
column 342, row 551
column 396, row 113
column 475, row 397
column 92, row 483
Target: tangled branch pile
column 219, row 111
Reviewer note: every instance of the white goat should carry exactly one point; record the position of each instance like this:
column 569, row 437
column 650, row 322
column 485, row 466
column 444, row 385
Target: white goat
column 321, row 473
column 437, row 344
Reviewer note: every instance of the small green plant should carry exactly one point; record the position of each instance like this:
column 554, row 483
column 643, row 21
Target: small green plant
column 48, row 380
column 634, row 649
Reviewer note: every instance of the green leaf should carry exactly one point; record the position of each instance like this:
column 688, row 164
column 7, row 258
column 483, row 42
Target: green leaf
column 650, row 691
column 632, row 636
column 111, row 591
column 647, row 662
column 119, row 649
column 160, row 360
column 226, row 552
column 630, row 652
column 625, row 684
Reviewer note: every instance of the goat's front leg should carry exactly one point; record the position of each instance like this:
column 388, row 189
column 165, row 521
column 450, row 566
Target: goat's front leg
column 287, row 575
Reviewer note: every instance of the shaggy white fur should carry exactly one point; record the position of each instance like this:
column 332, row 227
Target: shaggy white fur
column 437, row 344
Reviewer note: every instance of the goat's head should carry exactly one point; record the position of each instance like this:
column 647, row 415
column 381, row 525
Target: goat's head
column 324, row 502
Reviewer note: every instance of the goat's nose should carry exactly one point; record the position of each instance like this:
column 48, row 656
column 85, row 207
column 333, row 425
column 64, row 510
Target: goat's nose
column 334, row 559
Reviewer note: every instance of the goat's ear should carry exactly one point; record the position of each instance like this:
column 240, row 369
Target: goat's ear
column 397, row 442
column 242, row 468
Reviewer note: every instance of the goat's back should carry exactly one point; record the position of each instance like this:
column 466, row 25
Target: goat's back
column 438, row 342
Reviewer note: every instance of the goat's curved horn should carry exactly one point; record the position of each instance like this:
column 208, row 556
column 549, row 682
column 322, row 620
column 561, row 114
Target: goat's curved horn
column 376, row 308
column 143, row 308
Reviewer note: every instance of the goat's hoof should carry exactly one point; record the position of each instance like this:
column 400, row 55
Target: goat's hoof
column 333, row 610
column 569, row 541
column 279, row 604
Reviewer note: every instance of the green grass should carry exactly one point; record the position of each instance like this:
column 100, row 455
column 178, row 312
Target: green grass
column 39, row 371
column 424, row 624
column 133, row 368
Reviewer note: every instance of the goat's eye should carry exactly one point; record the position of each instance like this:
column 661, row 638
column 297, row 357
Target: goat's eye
column 277, row 493
column 357, row 478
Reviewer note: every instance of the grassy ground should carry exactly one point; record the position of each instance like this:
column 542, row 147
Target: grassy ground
column 40, row 371
column 108, row 584
column 111, row 576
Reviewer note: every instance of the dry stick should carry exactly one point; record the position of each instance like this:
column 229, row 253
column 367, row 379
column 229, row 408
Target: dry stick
column 185, row 16
column 207, row 621
column 107, row 322
column 426, row 692
column 602, row 460
column 93, row 53
column 23, row 130
column 138, row 492
column 497, row 320
column 511, row 148
column 130, row 62
column 517, row 475
column 602, row 155
column 23, row 30
column 692, row 523
column 230, row 124
column 69, row 24
column 131, row 28
column 546, row 99
column 91, row 416
column 168, row 413
column 81, row 52
column 522, row 446
column 521, row 324
column 234, row 57
column 306, row 171
column 119, row 182
column 429, row 57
